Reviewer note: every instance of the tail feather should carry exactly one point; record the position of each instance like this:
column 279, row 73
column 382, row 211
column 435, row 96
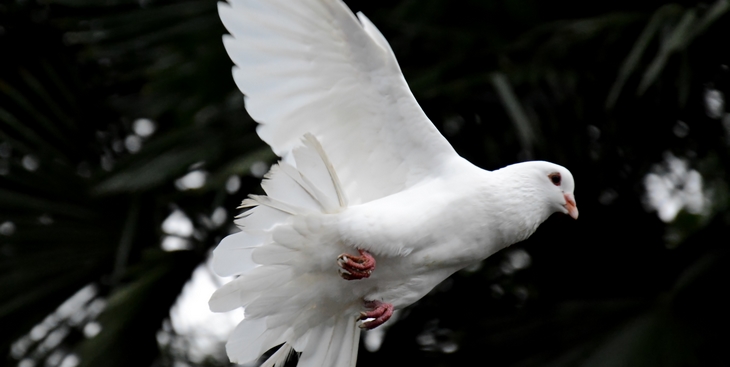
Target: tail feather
column 261, row 219
column 288, row 283
column 283, row 318
column 245, row 343
column 246, row 288
column 273, row 302
column 314, row 163
column 289, row 237
column 333, row 344
column 274, row 254
column 318, row 346
column 284, row 183
column 324, row 203
column 279, row 357
column 297, row 300
column 351, row 342
column 233, row 254
column 338, row 334
column 275, row 204
column 310, row 319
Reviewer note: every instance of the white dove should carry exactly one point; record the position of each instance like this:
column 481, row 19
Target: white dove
column 370, row 207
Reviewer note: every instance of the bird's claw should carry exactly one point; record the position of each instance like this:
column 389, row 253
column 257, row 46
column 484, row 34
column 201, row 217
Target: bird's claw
column 379, row 312
column 356, row 267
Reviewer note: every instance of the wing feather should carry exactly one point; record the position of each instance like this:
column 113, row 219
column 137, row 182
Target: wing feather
column 311, row 66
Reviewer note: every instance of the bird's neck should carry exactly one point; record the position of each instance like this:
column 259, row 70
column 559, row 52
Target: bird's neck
column 522, row 208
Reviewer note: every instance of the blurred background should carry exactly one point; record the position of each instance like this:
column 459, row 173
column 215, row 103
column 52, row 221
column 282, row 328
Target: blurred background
column 125, row 148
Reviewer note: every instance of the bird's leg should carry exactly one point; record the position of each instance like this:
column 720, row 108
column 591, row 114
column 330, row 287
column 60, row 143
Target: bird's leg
column 356, row 267
column 379, row 312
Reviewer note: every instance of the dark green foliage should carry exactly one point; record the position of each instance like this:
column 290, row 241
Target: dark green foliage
column 608, row 90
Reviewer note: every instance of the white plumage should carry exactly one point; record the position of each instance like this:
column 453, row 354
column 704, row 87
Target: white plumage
column 363, row 169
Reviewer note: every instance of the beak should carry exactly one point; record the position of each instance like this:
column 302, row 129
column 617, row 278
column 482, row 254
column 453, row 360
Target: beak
column 570, row 206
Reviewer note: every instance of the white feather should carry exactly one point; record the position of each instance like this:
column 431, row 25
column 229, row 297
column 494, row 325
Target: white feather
column 311, row 67
column 279, row 357
column 312, row 161
column 257, row 221
column 318, row 348
column 246, row 288
column 233, row 254
column 275, row 254
column 288, row 283
column 280, row 184
column 245, row 343
column 362, row 168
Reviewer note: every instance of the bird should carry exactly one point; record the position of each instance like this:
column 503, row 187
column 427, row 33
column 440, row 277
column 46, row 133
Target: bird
column 369, row 206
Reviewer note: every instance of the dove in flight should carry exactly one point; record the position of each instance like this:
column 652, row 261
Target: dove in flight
column 370, row 207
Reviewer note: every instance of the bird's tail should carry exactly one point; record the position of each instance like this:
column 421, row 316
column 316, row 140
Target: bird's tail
column 285, row 259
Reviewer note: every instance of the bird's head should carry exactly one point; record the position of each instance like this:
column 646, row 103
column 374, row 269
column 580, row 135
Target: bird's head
column 557, row 184
column 551, row 183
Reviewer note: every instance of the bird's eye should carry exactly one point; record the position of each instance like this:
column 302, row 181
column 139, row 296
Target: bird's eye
column 555, row 178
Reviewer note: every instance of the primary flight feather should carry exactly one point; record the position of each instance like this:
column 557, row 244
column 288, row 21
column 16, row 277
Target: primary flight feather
column 370, row 207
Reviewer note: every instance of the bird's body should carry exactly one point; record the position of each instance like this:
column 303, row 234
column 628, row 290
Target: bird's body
column 363, row 170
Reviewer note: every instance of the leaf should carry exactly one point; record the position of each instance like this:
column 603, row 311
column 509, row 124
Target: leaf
column 42, row 120
column 146, row 174
column 525, row 129
column 135, row 312
column 242, row 165
column 40, row 90
column 631, row 62
column 677, row 39
column 16, row 200
column 717, row 10
column 30, row 136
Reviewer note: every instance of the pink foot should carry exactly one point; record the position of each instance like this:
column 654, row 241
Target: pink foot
column 356, row 267
column 380, row 312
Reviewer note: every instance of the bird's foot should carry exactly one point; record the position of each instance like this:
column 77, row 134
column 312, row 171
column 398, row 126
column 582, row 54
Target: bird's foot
column 356, row 267
column 379, row 312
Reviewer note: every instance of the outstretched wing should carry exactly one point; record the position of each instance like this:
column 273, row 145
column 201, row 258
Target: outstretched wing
column 309, row 66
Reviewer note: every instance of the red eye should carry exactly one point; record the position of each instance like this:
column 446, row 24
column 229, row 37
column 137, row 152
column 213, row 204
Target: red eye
column 555, row 178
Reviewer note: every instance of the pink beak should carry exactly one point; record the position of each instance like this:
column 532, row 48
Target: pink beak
column 570, row 206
